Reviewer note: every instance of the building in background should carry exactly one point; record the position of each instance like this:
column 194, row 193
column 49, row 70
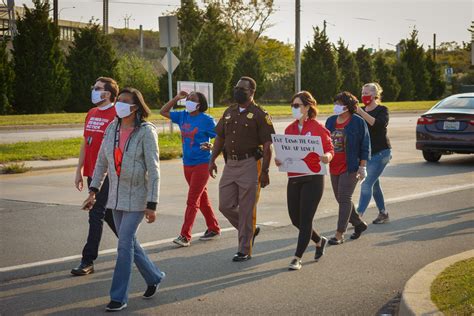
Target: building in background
column 66, row 27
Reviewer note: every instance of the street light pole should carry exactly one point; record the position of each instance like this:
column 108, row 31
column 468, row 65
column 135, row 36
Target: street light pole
column 106, row 16
column 397, row 48
column 59, row 13
column 297, row 46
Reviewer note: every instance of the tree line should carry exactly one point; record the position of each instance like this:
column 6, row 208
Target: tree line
column 219, row 42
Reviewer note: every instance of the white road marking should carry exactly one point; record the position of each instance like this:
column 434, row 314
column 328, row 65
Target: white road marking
column 108, row 251
column 426, row 194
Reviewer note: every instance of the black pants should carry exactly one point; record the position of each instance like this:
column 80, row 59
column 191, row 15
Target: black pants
column 97, row 215
column 303, row 196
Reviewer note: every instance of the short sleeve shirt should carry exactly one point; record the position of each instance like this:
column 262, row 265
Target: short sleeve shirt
column 194, row 131
column 97, row 120
column 378, row 131
column 244, row 131
column 338, row 164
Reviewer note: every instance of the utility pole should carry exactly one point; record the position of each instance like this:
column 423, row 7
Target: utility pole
column 434, row 47
column 297, row 46
column 106, row 16
column 55, row 12
column 472, row 42
column 141, row 39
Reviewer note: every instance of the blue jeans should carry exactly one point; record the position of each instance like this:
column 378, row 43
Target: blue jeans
column 129, row 250
column 371, row 184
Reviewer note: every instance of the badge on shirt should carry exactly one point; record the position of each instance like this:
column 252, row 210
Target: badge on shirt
column 250, row 115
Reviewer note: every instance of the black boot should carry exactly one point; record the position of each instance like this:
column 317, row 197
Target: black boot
column 83, row 269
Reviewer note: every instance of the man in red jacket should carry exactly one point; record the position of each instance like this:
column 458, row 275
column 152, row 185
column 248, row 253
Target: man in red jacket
column 103, row 95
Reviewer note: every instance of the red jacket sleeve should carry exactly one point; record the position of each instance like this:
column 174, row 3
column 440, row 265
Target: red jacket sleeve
column 327, row 141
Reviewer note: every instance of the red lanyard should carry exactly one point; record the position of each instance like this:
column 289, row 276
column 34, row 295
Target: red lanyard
column 118, row 155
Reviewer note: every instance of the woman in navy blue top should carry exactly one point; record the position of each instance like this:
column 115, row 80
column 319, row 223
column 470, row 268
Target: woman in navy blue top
column 197, row 130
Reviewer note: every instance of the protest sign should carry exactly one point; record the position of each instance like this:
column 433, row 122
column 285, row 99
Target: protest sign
column 299, row 154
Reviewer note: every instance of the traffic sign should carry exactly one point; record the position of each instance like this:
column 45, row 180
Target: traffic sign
column 168, row 26
column 174, row 61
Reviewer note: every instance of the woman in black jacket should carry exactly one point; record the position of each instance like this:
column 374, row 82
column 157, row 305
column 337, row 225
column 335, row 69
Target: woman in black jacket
column 376, row 116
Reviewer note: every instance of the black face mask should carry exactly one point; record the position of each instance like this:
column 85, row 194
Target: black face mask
column 240, row 96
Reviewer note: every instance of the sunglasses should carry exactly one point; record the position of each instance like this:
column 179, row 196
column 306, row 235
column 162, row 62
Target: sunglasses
column 296, row 105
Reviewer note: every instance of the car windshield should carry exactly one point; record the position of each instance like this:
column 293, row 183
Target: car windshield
column 461, row 103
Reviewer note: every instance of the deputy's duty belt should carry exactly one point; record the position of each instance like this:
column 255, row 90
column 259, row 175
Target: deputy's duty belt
column 240, row 157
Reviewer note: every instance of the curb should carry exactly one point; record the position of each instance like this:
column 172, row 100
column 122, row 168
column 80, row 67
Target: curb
column 53, row 167
column 37, row 165
column 416, row 296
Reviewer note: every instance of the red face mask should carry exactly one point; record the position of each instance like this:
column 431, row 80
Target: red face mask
column 367, row 99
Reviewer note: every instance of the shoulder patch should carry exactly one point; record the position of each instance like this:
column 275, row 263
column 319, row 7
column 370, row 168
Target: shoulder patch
column 260, row 108
column 268, row 119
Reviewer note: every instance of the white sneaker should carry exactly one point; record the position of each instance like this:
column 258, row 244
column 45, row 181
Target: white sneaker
column 182, row 241
column 295, row 264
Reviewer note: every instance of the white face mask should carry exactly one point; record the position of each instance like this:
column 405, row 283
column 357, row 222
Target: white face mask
column 339, row 109
column 296, row 113
column 122, row 109
column 95, row 96
column 191, row 106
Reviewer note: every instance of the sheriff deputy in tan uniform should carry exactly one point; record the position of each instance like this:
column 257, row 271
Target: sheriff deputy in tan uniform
column 244, row 137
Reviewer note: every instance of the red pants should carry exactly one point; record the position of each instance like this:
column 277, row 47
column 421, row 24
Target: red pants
column 197, row 177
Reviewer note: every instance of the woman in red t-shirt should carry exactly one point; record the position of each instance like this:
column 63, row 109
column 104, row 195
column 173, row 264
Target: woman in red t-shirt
column 304, row 191
column 351, row 141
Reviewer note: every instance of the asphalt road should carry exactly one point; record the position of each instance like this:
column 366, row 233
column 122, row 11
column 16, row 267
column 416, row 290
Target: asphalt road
column 362, row 277
column 54, row 213
column 431, row 206
column 20, row 134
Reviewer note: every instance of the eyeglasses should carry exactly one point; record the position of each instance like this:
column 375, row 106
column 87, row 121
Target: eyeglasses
column 97, row 88
column 296, row 105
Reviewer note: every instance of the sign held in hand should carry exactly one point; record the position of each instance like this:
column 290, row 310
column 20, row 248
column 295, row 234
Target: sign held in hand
column 299, row 154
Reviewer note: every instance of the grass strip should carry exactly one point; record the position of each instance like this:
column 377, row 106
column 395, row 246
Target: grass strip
column 170, row 147
column 453, row 290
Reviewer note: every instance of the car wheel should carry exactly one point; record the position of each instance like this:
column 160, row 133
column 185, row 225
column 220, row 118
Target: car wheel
column 431, row 156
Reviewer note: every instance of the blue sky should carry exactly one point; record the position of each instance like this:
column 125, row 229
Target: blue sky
column 358, row 22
